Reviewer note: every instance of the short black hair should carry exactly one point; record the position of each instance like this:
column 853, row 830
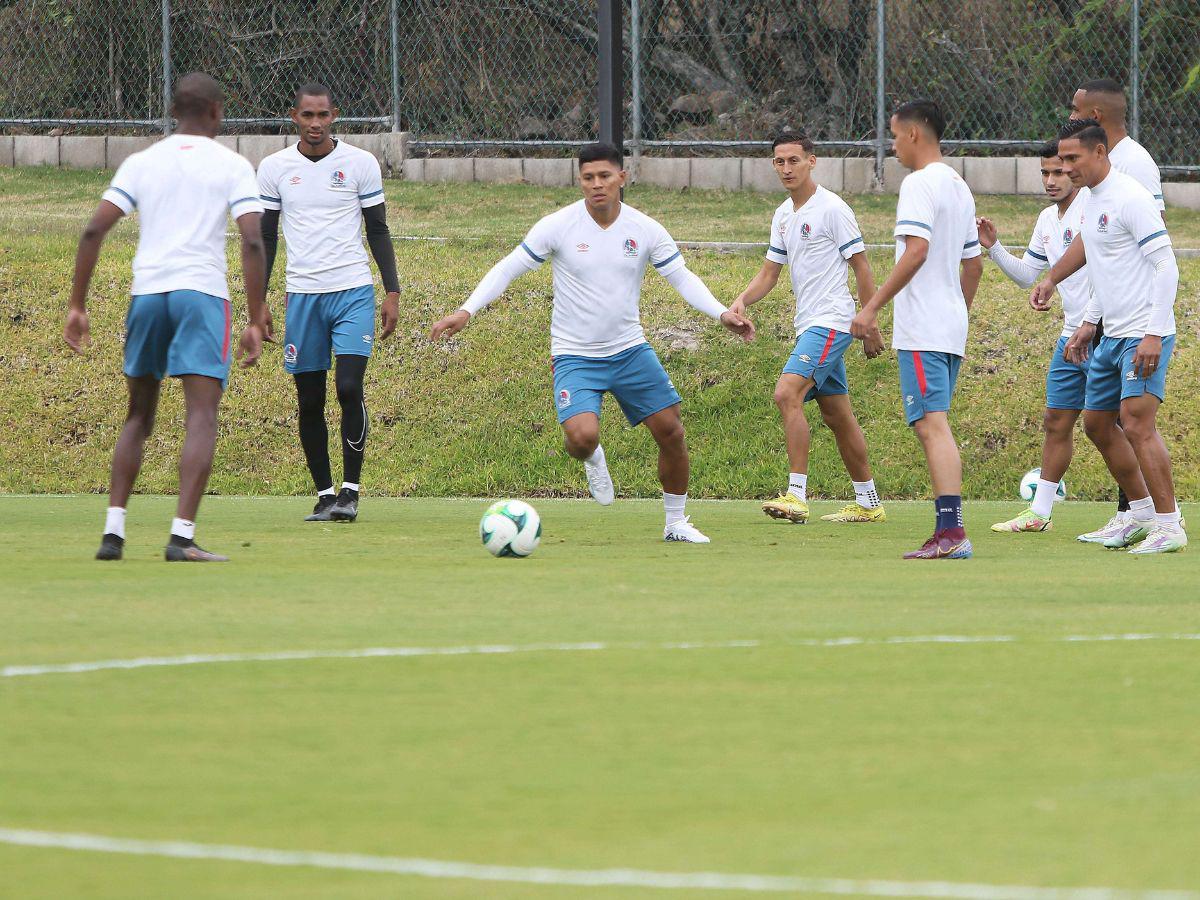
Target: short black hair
column 601, row 152
column 923, row 112
column 194, row 93
column 1048, row 149
column 794, row 137
column 1087, row 131
column 313, row 89
column 1102, row 86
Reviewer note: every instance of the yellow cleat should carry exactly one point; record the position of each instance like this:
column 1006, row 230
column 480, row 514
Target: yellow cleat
column 788, row 507
column 852, row 512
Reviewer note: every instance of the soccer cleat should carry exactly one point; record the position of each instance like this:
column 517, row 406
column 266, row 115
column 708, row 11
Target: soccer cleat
column 853, row 512
column 1131, row 533
column 345, row 508
column 600, row 483
column 788, row 507
column 684, row 532
column 943, row 545
column 191, row 552
column 111, row 547
column 1100, row 535
column 1026, row 521
column 320, row 512
column 1161, row 540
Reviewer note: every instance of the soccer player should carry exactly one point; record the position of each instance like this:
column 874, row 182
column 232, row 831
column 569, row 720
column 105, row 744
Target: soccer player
column 934, row 281
column 815, row 233
column 1066, row 382
column 1134, row 282
column 599, row 248
column 325, row 189
column 179, row 323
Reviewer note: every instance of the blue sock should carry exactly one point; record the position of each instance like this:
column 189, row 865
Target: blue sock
column 949, row 512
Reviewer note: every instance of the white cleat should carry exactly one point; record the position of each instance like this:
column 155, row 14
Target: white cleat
column 1115, row 526
column 685, row 532
column 600, row 483
column 1161, row 540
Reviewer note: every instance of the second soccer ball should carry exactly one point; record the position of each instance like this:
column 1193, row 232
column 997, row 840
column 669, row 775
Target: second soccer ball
column 1029, row 486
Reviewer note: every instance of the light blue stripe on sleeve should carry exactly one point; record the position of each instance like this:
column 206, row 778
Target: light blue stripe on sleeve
column 1036, row 255
column 266, row 199
column 916, row 223
column 241, row 200
column 536, row 258
column 125, row 194
column 1148, row 238
column 969, row 244
column 370, row 195
column 857, row 240
column 669, row 259
column 771, row 248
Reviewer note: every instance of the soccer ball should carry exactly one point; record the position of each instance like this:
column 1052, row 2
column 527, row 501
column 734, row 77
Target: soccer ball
column 510, row 528
column 1029, row 486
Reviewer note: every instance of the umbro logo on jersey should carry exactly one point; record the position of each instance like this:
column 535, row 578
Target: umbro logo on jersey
column 337, row 179
column 582, row 248
column 805, row 231
column 631, row 247
column 295, row 179
column 1102, row 225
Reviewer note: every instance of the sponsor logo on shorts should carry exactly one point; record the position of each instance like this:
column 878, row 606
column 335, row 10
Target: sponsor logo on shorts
column 337, row 179
column 908, row 401
column 1130, row 376
column 289, row 354
column 1102, row 224
column 805, row 231
column 582, row 248
column 366, row 338
column 631, row 247
column 804, row 357
column 564, row 398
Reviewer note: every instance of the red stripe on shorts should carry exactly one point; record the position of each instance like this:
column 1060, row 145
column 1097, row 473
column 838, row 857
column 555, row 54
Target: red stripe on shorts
column 919, row 367
column 228, row 330
column 828, row 347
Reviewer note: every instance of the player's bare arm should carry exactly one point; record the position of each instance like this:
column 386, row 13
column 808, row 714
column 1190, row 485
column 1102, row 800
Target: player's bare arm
column 77, row 331
column 865, row 281
column 760, row 285
column 916, row 251
column 254, row 276
column 972, row 272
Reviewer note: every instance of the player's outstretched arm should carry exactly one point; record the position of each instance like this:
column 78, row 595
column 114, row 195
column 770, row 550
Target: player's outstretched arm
column 77, row 331
column 760, row 285
column 494, row 283
column 1072, row 261
column 916, row 251
column 254, row 277
column 689, row 286
column 1023, row 272
column 379, row 239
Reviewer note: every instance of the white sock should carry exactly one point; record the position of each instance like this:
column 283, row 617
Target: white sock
column 114, row 521
column 865, row 494
column 1043, row 498
column 1169, row 521
column 1142, row 510
column 353, row 487
column 183, row 528
column 328, row 492
column 597, row 457
column 673, row 505
column 798, row 485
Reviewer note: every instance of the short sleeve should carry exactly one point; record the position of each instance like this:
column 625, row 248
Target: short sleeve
column 243, row 190
column 665, row 255
column 268, row 185
column 915, row 208
column 122, row 191
column 971, row 247
column 539, row 244
column 1151, row 180
column 370, row 184
column 845, row 231
column 776, row 246
column 1146, row 225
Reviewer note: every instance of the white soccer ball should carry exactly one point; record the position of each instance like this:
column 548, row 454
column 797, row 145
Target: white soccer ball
column 1029, row 486
column 510, row 528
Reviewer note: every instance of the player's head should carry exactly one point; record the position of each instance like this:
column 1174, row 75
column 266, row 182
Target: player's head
column 916, row 125
column 601, row 174
column 1101, row 99
column 314, row 113
column 199, row 102
column 1054, row 179
column 793, row 157
column 1083, row 151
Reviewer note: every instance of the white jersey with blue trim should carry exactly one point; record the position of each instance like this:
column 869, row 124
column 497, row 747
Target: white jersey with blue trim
column 930, row 311
column 1134, row 160
column 1051, row 237
column 598, row 276
column 322, row 204
column 184, row 189
column 1121, row 226
column 815, row 241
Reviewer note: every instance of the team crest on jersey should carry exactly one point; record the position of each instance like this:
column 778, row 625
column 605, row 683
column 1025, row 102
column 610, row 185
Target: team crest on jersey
column 805, row 231
column 290, row 354
column 1102, row 225
column 1068, row 236
column 582, row 248
column 631, row 247
column 564, row 398
column 337, row 179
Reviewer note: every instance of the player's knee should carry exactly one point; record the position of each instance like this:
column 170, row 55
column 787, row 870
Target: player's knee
column 142, row 421
column 1138, row 428
column 787, row 395
column 349, row 391
column 1099, row 429
column 672, row 436
column 581, row 443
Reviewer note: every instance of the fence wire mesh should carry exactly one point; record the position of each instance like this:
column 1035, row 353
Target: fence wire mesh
column 464, row 77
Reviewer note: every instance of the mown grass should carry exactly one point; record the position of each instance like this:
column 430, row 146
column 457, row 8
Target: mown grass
column 475, row 416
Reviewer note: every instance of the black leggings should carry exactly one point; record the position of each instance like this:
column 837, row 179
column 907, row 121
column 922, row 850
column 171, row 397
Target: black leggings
column 314, row 435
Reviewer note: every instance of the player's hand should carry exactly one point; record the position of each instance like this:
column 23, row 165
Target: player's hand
column 250, row 345
column 77, row 332
column 738, row 324
column 987, row 231
column 268, row 327
column 451, row 325
column 389, row 315
column 873, row 344
column 738, row 306
column 865, row 324
column 1039, row 297
column 1079, row 344
column 1147, row 356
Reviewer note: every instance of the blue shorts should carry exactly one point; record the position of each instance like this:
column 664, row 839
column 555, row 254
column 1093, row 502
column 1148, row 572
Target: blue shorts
column 634, row 376
column 927, row 380
column 819, row 355
column 178, row 333
column 1111, row 378
column 1066, row 382
column 341, row 322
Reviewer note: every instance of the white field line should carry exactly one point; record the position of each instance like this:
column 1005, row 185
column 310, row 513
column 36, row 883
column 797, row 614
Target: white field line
column 199, row 659
column 687, row 881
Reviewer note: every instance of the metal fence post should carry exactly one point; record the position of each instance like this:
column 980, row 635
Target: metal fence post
column 1135, row 77
column 880, row 95
column 395, row 23
column 635, row 60
column 610, row 89
column 166, row 66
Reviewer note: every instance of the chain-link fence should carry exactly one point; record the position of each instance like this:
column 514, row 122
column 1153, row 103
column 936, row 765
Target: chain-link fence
column 708, row 75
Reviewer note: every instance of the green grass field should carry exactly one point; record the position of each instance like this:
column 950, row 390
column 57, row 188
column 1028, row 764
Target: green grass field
column 1036, row 761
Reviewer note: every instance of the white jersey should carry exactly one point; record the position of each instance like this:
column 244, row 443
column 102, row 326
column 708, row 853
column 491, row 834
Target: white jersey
column 598, row 276
column 1134, row 160
column 931, row 311
column 322, row 205
column 815, row 241
column 1051, row 237
column 1121, row 226
column 184, row 188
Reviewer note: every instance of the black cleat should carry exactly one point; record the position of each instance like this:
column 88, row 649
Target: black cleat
column 184, row 550
column 320, row 512
column 111, row 547
column 345, row 508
